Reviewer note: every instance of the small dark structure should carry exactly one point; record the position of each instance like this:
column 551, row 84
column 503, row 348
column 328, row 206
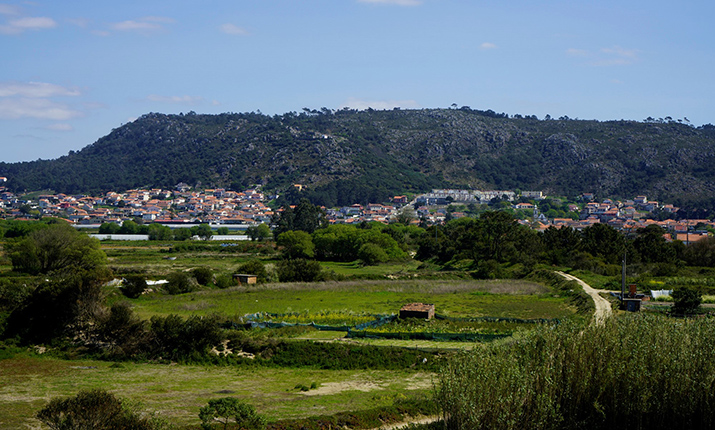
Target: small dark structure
column 245, row 279
column 417, row 310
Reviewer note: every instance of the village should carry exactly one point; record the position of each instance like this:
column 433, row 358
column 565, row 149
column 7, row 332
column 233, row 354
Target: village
column 239, row 210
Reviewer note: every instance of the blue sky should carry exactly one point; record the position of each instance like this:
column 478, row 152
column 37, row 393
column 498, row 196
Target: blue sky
column 71, row 71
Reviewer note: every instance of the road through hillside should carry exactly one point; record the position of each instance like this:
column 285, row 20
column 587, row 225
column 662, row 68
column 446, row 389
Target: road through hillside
column 603, row 307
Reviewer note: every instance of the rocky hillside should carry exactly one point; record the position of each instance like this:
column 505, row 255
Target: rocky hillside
column 348, row 156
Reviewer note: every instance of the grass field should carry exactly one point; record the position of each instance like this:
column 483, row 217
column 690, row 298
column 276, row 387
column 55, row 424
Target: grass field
column 515, row 299
column 176, row 392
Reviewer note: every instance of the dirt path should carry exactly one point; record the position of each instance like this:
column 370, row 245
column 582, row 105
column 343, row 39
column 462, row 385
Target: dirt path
column 422, row 420
column 603, row 307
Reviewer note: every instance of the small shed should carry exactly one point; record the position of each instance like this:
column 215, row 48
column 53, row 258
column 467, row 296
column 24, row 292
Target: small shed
column 245, row 279
column 417, row 310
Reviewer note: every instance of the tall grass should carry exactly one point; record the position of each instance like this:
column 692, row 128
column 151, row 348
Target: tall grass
column 640, row 371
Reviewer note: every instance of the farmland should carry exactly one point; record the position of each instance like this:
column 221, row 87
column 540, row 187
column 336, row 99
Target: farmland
column 176, row 390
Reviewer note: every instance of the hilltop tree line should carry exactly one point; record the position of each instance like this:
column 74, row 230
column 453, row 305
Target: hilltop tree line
column 347, row 156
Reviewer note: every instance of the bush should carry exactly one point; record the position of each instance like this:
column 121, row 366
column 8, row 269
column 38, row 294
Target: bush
column 179, row 283
column 298, row 270
column 254, row 267
column 686, row 300
column 372, row 254
column 203, row 275
column 91, row 409
column 230, row 410
column 133, row 286
column 225, row 281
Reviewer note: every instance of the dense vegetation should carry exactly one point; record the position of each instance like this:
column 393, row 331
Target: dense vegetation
column 349, row 156
column 634, row 372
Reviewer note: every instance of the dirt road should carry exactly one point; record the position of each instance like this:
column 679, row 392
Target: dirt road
column 603, row 307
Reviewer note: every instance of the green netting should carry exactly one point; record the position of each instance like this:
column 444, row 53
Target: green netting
column 500, row 319
column 469, row 337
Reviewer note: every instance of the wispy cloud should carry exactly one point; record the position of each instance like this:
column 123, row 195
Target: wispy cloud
column 33, row 100
column 233, row 29
column 60, row 127
column 393, row 2
column 380, row 104
column 7, row 9
column 577, row 52
column 16, row 108
column 145, row 24
column 35, row 90
column 21, row 25
column 615, row 56
column 179, row 100
column 487, row 45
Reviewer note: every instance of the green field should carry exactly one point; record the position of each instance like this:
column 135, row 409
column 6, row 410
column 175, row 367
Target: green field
column 507, row 299
column 176, row 392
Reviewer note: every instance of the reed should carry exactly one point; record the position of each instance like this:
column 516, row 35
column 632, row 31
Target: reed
column 640, row 371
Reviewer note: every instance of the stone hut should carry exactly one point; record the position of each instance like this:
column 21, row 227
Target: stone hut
column 417, row 310
column 245, row 279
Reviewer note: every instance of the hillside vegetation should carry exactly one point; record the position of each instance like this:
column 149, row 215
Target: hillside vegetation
column 350, row 156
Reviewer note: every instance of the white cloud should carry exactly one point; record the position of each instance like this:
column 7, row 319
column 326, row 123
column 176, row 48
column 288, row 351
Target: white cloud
column 380, row 104
column 60, row 127
column 35, row 90
column 79, row 22
column 147, row 23
column 20, row 25
column 185, row 100
column 577, row 52
column 16, row 108
column 487, row 45
column 6, row 9
column 394, row 2
column 233, row 29
column 615, row 56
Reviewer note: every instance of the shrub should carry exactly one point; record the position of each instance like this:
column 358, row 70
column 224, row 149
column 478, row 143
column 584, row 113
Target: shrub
column 179, row 283
column 225, row 281
column 254, row 267
column 229, row 410
column 133, row 286
column 372, row 254
column 91, row 409
column 298, row 270
column 686, row 300
column 203, row 275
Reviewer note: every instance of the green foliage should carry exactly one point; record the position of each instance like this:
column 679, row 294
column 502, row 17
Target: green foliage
column 701, row 253
column 633, row 372
column 296, row 244
column 179, row 283
column 304, row 217
column 343, row 242
column 259, row 232
column 203, row 275
column 55, row 249
column 70, row 305
column 91, row 409
column 686, row 300
column 175, row 338
column 203, row 231
column 133, row 286
column 230, row 412
column 223, row 231
column 254, row 267
column 225, row 281
column 298, row 270
column 372, row 254
column 159, row 232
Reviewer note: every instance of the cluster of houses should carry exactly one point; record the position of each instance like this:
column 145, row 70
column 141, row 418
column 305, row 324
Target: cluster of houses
column 216, row 206
column 248, row 207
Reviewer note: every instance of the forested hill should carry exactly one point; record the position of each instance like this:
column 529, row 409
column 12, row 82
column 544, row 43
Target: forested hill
column 350, row 156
